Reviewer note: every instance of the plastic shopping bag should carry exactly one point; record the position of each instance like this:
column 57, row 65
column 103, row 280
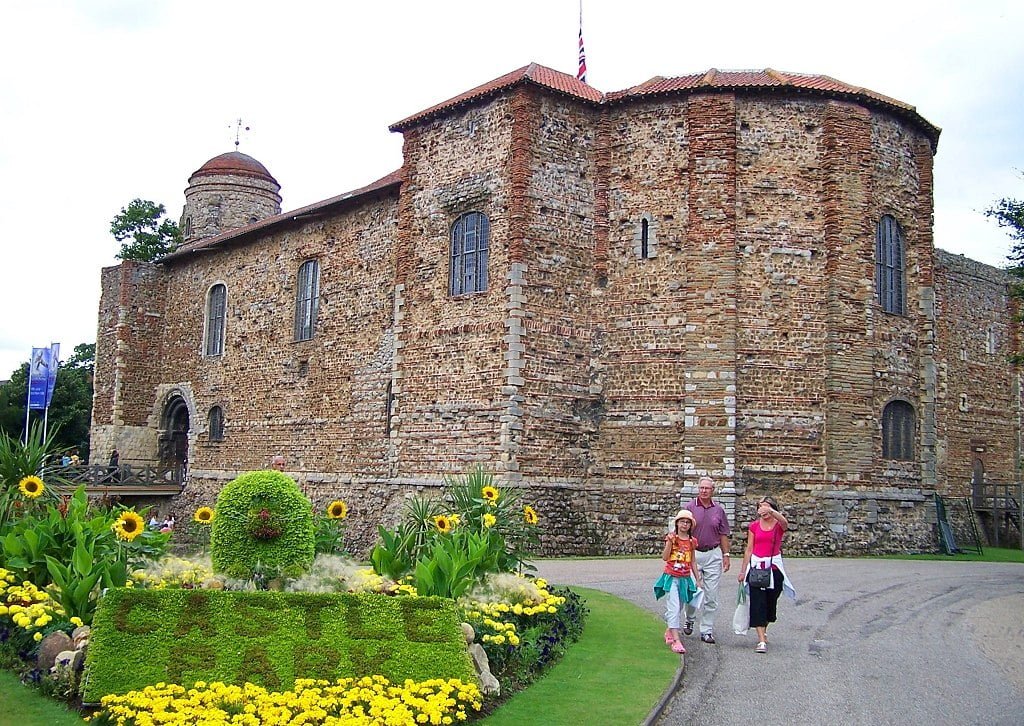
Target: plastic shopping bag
column 741, row 618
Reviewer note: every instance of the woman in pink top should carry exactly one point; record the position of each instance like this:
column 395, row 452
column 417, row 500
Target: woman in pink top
column 764, row 549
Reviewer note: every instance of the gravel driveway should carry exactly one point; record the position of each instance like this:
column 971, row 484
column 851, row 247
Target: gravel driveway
column 867, row 642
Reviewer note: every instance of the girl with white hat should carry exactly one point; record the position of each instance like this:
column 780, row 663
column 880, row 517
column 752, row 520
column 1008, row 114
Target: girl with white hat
column 680, row 579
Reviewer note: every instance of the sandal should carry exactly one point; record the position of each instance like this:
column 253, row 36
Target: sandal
column 762, row 647
column 678, row 647
column 669, row 638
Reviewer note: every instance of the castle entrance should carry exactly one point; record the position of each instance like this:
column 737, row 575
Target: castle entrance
column 174, row 436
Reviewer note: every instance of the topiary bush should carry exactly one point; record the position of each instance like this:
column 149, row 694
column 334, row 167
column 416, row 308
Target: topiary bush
column 263, row 524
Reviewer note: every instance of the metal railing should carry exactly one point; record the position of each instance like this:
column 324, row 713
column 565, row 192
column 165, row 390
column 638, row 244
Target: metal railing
column 127, row 475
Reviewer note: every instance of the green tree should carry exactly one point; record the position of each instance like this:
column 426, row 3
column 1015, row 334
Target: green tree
column 143, row 231
column 1009, row 214
column 70, row 409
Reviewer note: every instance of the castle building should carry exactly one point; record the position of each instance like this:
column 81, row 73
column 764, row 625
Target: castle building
column 599, row 297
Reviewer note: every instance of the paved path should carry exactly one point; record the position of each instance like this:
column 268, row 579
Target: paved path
column 867, row 642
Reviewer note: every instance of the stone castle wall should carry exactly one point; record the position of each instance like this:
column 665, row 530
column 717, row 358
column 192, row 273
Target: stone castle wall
column 676, row 288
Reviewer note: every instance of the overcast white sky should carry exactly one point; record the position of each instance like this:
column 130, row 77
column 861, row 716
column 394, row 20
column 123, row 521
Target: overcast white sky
column 102, row 101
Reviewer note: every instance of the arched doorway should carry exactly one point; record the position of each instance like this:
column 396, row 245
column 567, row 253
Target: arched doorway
column 174, row 436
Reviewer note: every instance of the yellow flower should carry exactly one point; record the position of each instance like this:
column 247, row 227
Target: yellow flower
column 128, row 526
column 489, row 520
column 454, row 519
column 443, row 524
column 37, row 637
column 31, row 486
column 530, row 515
column 490, row 494
column 76, row 621
column 203, row 515
column 337, row 510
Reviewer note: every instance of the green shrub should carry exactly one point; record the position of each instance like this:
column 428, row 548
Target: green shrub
column 142, row 637
column 263, row 524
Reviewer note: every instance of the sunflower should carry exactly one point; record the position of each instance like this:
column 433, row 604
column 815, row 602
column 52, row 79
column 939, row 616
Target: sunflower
column 489, row 520
column 454, row 519
column 128, row 526
column 203, row 515
column 31, row 486
column 490, row 494
column 337, row 510
column 443, row 524
column 530, row 515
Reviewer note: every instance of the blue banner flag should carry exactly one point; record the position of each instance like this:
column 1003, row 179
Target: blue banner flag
column 38, row 378
column 51, row 381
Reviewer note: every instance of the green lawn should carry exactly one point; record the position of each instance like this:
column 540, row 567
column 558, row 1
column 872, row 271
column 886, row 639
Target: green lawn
column 991, row 554
column 21, row 706
column 615, row 673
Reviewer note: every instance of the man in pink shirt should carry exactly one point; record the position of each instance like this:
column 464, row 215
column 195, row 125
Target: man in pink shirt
column 712, row 534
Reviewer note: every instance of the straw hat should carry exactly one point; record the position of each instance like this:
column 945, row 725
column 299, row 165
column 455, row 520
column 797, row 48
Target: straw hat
column 684, row 514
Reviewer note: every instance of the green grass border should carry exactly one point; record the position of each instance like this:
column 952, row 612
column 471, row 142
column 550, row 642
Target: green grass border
column 23, row 705
column 615, row 673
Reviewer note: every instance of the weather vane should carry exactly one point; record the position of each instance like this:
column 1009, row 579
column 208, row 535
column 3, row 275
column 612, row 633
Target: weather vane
column 238, row 132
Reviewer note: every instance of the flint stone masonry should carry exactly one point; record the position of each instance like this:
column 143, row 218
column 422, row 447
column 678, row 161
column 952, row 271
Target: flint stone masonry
column 748, row 346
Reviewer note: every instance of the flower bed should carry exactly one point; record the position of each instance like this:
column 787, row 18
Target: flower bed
column 354, row 702
column 273, row 625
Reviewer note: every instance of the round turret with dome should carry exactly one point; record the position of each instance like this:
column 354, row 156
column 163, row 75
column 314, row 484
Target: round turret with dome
column 227, row 192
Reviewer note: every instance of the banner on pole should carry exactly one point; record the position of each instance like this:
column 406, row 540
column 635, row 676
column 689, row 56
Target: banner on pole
column 38, row 378
column 51, row 381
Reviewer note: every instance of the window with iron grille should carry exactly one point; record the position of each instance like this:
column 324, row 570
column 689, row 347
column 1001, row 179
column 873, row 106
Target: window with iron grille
column 307, row 299
column 889, row 262
column 216, row 424
column 898, row 431
column 216, row 306
column 470, row 244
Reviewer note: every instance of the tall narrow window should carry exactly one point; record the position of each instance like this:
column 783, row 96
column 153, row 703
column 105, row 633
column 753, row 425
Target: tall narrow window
column 645, row 239
column 889, row 263
column 470, row 244
column 216, row 424
column 898, row 431
column 307, row 299
column 216, row 305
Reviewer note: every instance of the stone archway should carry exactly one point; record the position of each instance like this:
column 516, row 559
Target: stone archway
column 175, row 425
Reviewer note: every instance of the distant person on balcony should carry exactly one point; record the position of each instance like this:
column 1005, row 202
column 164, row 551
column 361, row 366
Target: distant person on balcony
column 65, row 460
column 115, row 459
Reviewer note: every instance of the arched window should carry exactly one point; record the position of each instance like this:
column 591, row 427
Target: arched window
column 898, row 431
column 216, row 428
column 470, row 243
column 307, row 299
column 216, row 307
column 889, row 265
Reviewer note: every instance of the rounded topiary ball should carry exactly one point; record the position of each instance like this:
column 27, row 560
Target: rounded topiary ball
column 263, row 523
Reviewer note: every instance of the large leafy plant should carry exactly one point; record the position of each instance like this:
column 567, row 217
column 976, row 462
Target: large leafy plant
column 447, row 545
column 19, row 459
column 76, row 546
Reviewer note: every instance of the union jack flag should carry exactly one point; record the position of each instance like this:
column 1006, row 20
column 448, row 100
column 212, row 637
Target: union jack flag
column 582, row 72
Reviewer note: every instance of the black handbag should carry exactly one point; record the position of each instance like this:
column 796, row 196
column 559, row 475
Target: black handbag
column 762, row 577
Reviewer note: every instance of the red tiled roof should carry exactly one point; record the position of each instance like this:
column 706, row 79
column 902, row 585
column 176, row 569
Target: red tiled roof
column 769, row 79
column 712, row 79
column 234, row 163
column 391, row 180
column 534, row 73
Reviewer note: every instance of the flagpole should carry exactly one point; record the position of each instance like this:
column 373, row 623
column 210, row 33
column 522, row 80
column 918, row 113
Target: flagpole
column 28, row 393
column 581, row 72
